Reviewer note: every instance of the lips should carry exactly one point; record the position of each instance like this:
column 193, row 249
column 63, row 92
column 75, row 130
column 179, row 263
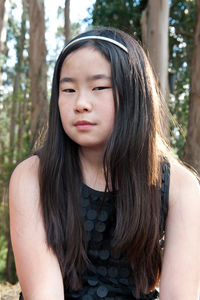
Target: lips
column 84, row 125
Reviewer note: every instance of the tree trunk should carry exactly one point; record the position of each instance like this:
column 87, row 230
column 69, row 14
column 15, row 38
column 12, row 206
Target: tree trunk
column 2, row 23
column 16, row 99
column 192, row 146
column 155, row 24
column 22, row 100
column 23, row 109
column 4, row 9
column 38, row 68
column 67, row 21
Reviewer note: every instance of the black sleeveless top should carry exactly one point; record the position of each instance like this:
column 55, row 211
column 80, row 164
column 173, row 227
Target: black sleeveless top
column 109, row 276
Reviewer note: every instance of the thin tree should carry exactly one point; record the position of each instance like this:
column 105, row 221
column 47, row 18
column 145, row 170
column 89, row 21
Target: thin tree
column 192, row 146
column 155, row 24
column 38, row 68
column 3, row 22
column 4, row 9
column 67, row 21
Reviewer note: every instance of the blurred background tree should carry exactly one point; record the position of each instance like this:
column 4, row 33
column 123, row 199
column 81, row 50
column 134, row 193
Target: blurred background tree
column 181, row 43
column 26, row 66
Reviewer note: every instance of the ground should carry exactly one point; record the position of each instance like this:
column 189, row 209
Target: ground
column 9, row 291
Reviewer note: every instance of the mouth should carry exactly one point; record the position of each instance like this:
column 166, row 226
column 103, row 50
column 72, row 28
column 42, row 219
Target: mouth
column 84, row 125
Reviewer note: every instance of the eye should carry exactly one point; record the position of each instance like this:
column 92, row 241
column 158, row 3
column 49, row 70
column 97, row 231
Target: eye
column 68, row 90
column 99, row 88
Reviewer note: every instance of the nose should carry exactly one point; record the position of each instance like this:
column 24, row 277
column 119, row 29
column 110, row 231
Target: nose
column 83, row 103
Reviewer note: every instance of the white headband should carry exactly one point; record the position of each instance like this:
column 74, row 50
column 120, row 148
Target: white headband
column 96, row 37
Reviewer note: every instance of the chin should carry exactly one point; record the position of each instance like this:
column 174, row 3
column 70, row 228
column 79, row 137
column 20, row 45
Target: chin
column 92, row 146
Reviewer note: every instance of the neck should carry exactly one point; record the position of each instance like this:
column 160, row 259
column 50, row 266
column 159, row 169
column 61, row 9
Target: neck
column 92, row 168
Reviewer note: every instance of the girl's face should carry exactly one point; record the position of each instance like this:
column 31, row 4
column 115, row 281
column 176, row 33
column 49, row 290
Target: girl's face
column 86, row 101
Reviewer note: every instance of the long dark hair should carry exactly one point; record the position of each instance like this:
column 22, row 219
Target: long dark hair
column 132, row 163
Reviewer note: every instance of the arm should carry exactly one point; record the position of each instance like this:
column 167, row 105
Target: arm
column 180, row 277
column 37, row 267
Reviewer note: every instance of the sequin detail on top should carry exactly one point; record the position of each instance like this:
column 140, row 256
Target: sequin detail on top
column 109, row 276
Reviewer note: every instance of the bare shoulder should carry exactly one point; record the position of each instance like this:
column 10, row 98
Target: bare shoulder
column 184, row 185
column 28, row 236
column 28, row 166
column 182, row 237
column 26, row 223
column 184, row 198
column 24, row 182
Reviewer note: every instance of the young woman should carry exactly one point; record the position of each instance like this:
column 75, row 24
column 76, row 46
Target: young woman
column 92, row 210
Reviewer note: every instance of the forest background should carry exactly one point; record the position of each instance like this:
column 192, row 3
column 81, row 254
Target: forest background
column 170, row 34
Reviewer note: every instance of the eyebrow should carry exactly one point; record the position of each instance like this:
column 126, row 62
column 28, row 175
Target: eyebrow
column 90, row 78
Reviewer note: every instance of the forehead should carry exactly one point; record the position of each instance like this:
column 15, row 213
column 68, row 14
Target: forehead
column 85, row 59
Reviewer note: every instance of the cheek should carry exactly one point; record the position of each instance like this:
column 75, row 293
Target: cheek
column 64, row 107
column 64, row 114
column 60, row 107
column 108, row 115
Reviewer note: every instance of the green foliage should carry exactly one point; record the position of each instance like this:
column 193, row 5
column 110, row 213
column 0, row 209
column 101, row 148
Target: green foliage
column 181, row 31
column 120, row 14
column 75, row 29
column 3, row 255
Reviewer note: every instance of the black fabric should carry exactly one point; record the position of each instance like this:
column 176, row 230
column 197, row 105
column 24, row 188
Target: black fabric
column 109, row 275
column 165, row 180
